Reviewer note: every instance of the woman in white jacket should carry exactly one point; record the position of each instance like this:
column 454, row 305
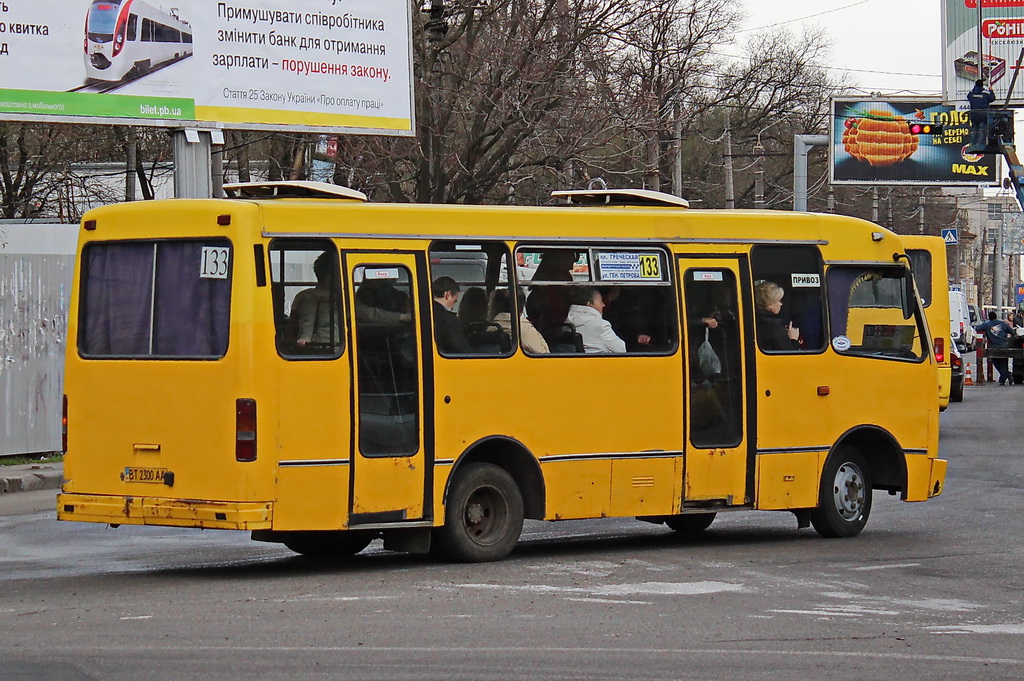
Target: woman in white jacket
column 586, row 315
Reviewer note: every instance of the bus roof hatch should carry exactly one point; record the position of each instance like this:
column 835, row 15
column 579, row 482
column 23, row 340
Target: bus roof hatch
column 291, row 189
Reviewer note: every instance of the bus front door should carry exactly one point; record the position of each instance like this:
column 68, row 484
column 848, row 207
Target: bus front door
column 388, row 458
column 719, row 467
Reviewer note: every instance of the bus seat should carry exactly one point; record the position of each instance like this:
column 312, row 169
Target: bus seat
column 488, row 338
column 564, row 340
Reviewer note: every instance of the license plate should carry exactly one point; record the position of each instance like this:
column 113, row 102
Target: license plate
column 135, row 474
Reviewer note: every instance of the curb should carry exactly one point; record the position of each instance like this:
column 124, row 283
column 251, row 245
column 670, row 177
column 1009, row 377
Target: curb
column 31, row 478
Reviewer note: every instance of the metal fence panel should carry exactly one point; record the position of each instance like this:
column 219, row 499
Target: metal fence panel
column 36, row 269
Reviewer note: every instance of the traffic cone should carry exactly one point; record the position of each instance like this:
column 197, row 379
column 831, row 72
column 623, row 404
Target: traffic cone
column 968, row 378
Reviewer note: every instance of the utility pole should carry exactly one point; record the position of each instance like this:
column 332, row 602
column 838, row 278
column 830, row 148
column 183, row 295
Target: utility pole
column 874, row 205
column 920, row 213
column 677, row 159
column 131, row 150
column 759, row 176
column 730, row 195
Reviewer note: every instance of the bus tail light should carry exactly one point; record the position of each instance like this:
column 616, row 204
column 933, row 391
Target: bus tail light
column 940, row 349
column 64, row 426
column 245, row 429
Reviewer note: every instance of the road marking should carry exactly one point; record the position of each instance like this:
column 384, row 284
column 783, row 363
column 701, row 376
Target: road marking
column 467, row 650
column 892, row 566
column 668, row 588
column 979, row 629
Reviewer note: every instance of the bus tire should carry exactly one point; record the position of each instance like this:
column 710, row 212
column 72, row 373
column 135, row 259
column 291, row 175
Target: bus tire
column 329, row 544
column 844, row 499
column 690, row 523
column 483, row 517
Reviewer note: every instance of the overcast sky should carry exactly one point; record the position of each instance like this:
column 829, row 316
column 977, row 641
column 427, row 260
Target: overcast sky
column 889, row 46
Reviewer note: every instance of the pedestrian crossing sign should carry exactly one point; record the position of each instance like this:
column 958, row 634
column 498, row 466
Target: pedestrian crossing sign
column 950, row 236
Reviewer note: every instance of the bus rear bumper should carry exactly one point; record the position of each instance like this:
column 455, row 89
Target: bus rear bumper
column 129, row 510
column 926, row 478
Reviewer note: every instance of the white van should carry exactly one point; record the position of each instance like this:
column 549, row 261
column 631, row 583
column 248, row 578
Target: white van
column 960, row 329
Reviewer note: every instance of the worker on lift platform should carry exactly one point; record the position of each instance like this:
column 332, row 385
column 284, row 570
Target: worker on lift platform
column 979, row 99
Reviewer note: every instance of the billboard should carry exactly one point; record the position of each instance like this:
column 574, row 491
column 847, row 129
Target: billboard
column 305, row 65
column 870, row 143
column 1001, row 39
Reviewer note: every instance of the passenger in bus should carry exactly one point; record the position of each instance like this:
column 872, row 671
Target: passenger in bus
column 585, row 315
column 314, row 312
column 635, row 316
column 555, row 265
column 472, row 306
column 772, row 333
column 448, row 333
column 378, row 300
column 499, row 309
column 530, row 338
column 501, row 315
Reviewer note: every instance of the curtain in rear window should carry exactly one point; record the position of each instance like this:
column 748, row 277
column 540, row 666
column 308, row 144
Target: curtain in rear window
column 156, row 299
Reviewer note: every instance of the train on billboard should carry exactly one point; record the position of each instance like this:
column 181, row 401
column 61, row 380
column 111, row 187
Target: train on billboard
column 303, row 65
column 876, row 141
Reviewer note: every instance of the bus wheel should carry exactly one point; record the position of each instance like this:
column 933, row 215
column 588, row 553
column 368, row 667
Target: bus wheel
column 844, row 501
column 342, row 544
column 690, row 523
column 483, row 517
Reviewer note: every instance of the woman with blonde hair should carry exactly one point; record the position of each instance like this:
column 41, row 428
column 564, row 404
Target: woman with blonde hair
column 772, row 334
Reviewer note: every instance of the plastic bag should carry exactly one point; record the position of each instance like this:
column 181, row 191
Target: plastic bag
column 707, row 359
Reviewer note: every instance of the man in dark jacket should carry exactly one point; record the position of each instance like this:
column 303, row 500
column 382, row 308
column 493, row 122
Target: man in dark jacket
column 979, row 98
column 997, row 335
column 448, row 333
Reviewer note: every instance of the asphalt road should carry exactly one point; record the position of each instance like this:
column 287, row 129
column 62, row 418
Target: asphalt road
column 928, row 591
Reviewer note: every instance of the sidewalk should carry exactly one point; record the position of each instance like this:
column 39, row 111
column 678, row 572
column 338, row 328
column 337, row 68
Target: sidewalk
column 30, row 477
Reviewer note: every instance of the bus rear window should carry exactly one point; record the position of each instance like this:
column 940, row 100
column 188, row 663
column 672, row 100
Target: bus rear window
column 156, row 299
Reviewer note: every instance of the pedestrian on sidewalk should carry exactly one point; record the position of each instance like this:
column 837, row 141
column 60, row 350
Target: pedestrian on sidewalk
column 997, row 334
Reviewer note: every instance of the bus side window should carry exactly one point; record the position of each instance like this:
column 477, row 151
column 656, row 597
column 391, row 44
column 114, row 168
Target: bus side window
column 789, row 310
column 485, row 306
column 866, row 308
column 577, row 292
column 306, row 293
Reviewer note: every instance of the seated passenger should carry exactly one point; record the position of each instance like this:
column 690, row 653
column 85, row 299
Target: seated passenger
column 473, row 306
column 772, row 333
column 530, row 338
column 500, row 311
column 448, row 333
column 313, row 314
column 585, row 315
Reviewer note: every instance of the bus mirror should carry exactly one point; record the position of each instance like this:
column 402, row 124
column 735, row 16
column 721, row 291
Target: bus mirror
column 909, row 294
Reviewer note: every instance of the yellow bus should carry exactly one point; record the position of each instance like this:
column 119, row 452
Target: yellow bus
column 322, row 371
column 927, row 256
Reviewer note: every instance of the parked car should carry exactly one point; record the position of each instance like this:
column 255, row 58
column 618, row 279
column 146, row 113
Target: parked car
column 960, row 327
column 956, row 365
